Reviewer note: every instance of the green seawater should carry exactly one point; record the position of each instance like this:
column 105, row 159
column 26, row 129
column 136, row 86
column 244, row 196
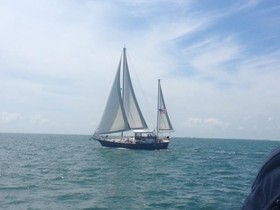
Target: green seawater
column 71, row 172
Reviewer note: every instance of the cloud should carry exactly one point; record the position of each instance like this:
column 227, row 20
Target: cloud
column 210, row 57
column 206, row 123
column 241, row 5
column 41, row 121
column 9, row 117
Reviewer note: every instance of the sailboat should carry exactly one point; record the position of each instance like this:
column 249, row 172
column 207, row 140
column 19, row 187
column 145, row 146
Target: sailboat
column 122, row 114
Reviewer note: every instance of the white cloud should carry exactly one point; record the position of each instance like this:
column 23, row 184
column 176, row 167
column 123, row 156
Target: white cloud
column 41, row 121
column 211, row 55
column 206, row 122
column 9, row 117
column 247, row 4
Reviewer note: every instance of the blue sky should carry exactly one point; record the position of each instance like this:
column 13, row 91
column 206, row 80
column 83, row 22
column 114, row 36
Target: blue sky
column 218, row 60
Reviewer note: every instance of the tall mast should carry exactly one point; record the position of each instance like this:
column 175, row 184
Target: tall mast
column 158, row 106
column 123, row 70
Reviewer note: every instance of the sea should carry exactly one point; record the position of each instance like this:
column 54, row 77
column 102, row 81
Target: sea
column 40, row 171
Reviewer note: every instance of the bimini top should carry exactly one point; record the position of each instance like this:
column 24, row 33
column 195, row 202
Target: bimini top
column 142, row 131
column 265, row 191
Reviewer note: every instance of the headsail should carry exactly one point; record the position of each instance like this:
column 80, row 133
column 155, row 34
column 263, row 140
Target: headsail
column 113, row 118
column 163, row 122
column 131, row 107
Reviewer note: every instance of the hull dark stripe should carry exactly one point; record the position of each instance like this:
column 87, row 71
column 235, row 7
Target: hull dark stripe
column 144, row 146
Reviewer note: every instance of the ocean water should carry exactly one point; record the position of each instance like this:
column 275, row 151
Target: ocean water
column 72, row 172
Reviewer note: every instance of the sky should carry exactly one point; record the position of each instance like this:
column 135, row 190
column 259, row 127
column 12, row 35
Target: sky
column 218, row 62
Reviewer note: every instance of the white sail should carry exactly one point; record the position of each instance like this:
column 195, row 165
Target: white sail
column 113, row 118
column 163, row 118
column 122, row 112
column 131, row 107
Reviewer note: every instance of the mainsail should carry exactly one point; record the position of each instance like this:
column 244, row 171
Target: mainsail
column 122, row 112
column 163, row 122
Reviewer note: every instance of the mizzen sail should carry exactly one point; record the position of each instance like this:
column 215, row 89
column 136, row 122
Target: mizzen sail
column 163, row 123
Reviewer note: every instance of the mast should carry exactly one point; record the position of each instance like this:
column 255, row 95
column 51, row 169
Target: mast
column 122, row 89
column 123, row 68
column 158, row 104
